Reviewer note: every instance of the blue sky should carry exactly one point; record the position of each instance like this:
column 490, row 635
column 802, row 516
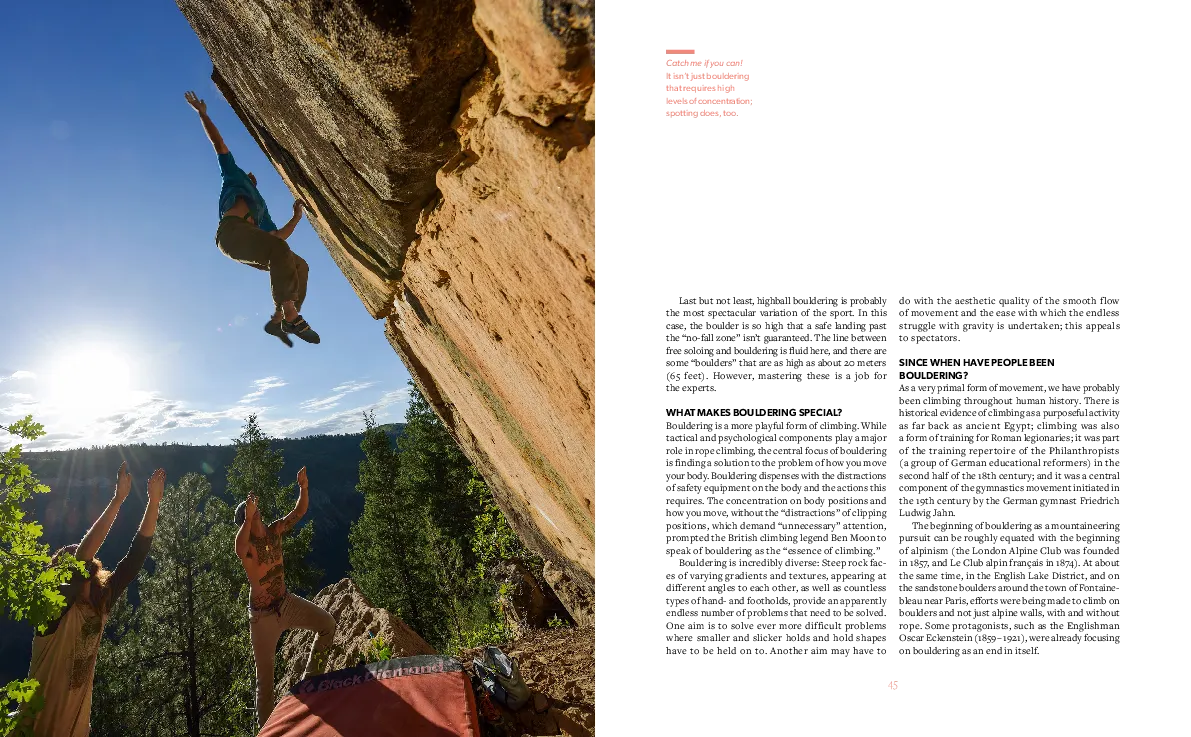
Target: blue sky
column 122, row 322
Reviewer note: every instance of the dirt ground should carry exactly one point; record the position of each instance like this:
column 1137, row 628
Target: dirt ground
column 559, row 667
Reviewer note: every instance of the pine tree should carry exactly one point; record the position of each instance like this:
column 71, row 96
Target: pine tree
column 437, row 472
column 180, row 662
column 412, row 549
column 389, row 541
column 464, row 607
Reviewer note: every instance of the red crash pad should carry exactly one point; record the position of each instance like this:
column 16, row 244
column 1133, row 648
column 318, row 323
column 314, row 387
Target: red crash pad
column 422, row 696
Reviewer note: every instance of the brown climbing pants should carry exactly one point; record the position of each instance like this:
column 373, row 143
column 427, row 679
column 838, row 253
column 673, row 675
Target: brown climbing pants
column 242, row 241
column 266, row 627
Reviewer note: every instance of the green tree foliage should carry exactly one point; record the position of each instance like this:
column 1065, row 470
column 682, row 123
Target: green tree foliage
column 257, row 468
column 180, row 662
column 429, row 540
column 389, row 541
column 493, row 541
column 465, row 608
column 498, row 553
column 30, row 588
column 435, row 471
column 28, row 580
column 378, row 649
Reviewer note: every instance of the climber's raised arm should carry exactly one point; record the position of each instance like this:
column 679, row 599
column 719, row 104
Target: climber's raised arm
column 286, row 523
column 95, row 536
column 288, row 229
column 128, row 567
column 200, row 107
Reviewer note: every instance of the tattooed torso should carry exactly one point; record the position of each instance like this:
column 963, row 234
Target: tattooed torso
column 265, row 568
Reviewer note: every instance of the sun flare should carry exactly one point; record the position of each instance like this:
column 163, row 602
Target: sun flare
column 90, row 381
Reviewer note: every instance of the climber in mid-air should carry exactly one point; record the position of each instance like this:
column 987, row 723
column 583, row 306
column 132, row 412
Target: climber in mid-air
column 247, row 234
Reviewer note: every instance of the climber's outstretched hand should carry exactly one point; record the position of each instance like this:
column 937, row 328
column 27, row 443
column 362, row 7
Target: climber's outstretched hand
column 299, row 208
column 199, row 106
column 155, row 487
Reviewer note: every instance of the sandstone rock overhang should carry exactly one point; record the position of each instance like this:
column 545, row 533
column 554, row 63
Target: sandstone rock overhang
column 447, row 153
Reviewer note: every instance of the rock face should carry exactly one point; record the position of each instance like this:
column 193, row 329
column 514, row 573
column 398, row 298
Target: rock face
column 577, row 600
column 357, row 620
column 525, row 604
column 447, row 153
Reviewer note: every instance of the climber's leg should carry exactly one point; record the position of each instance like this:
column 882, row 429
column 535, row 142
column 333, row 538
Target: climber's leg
column 283, row 278
column 298, row 613
column 265, row 628
column 302, row 270
column 294, row 323
column 244, row 242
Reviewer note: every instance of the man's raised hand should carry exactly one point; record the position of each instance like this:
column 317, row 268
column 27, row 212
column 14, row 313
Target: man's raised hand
column 250, row 508
column 123, row 482
column 299, row 208
column 303, row 484
column 156, row 485
column 199, row 106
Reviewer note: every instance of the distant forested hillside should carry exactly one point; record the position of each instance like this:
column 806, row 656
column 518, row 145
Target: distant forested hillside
column 81, row 483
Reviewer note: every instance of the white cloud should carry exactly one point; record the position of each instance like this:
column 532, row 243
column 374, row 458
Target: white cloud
column 353, row 386
column 157, row 415
column 23, row 404
column 144, row 418
column 343, row 421
column 15, row 375
column 320, row 405
column 148, row 416
column 394, row 396
column 262, row 386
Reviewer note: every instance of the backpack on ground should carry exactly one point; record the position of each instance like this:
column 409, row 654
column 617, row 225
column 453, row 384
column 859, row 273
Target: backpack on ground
column 501, row 679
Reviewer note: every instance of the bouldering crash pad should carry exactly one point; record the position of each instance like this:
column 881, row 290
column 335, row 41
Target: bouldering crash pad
column 420, row 696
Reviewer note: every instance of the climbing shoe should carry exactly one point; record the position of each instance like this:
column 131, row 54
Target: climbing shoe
column 302, row 329
column 275, row 329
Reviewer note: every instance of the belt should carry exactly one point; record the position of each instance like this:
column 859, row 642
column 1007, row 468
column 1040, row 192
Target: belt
column 275, row 607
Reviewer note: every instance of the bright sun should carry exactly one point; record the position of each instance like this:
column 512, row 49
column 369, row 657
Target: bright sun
column 90, row 381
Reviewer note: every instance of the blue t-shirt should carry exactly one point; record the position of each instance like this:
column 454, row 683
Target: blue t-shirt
column 237, row 184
